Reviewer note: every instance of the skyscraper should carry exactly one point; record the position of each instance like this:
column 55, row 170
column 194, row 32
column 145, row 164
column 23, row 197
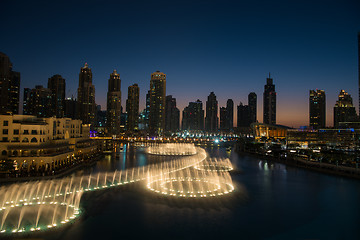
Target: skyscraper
column 172, row 115
column 243, row 116
column 9, row 87
column 86, row 96
column 193, row 116
column 344, row 111
column 229, row 125
column 317, row 109
column 252, row 102
column 57, row 86
column 38, row 102
column 132, row 108
column 157, row 103
column 269, row 102
column 211, row 119
column 359, row 66
column 113, row 104
column 223, row 119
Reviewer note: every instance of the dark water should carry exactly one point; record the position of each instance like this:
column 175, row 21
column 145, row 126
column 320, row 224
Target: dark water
column 281, row 203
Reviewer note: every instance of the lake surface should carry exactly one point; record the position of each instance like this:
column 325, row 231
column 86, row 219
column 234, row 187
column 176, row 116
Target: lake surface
column 279, row 202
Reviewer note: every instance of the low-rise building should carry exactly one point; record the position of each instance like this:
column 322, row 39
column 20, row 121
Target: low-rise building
column 31, row 144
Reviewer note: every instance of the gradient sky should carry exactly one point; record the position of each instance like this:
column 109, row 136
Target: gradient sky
column 228, row 47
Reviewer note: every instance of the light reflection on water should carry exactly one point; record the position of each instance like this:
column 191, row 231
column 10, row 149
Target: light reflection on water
column 284, row 202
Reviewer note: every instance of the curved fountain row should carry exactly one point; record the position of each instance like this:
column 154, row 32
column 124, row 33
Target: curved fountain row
column 46, row 204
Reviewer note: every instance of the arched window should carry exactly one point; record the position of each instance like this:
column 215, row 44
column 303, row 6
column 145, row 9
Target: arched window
column 33, row 140
column 25, row 140
column 4, row 153
column 15, row 153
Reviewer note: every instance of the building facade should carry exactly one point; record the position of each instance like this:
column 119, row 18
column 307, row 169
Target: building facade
column 193, row 117
column 86, row 96
column 38, row 102
column 172, row 115
column 211, row 119
column 57, row 86
column 317, row 109
column 113, row 110
column 243, row 116
column 157, row 103
column 344, row 110
column 269, row 102
column 9, row 87
column 252, row 102
column 132, row 108
column 32, row 144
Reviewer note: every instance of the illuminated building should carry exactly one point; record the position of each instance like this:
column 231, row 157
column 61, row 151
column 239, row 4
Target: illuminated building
column 193, row 116
column 38, row 102
column 172, row 115
column 86, row 96
column 317, row 109
column 113, row 104
column 9, row 87
column 157, row 103
column 57, row 86
column 269, row 102
column 252, row 102
column 44, row 144
column 344, row 111
column 211, row 119
column 263, row 131
column 132, row 108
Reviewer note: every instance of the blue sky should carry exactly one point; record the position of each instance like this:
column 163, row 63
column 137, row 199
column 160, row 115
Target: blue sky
column 228, row 47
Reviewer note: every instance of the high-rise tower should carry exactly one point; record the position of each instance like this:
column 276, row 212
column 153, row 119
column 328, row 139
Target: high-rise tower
column 113, row 113
column 269, row 102
column 9, row 87
column 157, row 103
column 132, row 108
column 211, row 119
column 57, row 86
column 86, row 96
column 172, row 115
column 252, row 102
column 193, row 116
column 317, row 109
column 344, row 111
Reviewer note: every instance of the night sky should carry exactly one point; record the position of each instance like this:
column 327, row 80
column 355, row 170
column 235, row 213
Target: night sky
column 228, row 47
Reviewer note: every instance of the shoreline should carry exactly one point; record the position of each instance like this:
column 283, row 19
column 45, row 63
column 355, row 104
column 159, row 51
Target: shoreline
column 326, row 168
column 6, row 180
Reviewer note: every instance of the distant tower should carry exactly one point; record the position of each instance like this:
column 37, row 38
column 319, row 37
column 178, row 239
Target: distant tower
column 269, row 102
column 157, row 103
column 193, row 116
column 243, row 116
column 211, row 119
column 172, row 115
column 252, row 102
column 359, row 67
column 132, row 108
column 86, row 96
column 38, row 102
column 113, row 113
column 229, row 115
column 57, row 86
column 344, row 111
column 317, row 109
column 223, row 119
column 9, row 87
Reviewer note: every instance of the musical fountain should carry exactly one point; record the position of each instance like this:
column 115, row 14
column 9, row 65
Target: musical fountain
column 46, row 204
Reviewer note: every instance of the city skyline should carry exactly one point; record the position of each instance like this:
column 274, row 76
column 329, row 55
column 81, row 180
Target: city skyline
column 225, row 48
